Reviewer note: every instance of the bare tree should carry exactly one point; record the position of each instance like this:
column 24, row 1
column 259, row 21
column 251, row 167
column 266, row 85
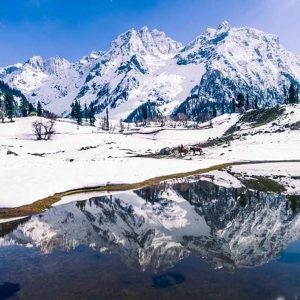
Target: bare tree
column 107, row 121
column 104, row 123
column 161, row 120
column 112, row 128
column 2, row 114
column 183, row 119
column 2, row 108
column 44, row 129
column 122, row 127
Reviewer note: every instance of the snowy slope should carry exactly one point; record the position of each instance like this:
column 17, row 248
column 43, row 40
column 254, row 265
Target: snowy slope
column 109, row 157
column 138, row 67
column 51, row 80
column 146, row 66
column 240, row 60
column 61, row 164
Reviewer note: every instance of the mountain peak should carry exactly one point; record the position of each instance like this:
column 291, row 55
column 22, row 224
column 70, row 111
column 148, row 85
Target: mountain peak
column 144, row 29
column 55, row 65
column 52, row 65
column 93, row 56
column 144, row 41
column 35, row 62
column 224, row 26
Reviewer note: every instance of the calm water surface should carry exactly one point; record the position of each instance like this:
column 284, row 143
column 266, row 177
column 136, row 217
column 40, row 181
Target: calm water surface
column 182, row 239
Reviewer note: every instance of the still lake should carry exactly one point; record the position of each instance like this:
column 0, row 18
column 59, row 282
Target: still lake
column 182, row 239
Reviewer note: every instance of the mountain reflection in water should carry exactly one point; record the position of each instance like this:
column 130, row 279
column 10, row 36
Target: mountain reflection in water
column 153, row 228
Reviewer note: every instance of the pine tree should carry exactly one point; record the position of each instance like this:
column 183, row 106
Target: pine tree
column 39, row 109
column 223, row 105
column 255, row 103
column 91, row 113
column 247, row 104
column 240, row 101
column 233, row 106
column 31, row 108
column 9, row 106
column 1, row 101
column 86, row 112
column 2, row 107
column 72, row 110
column 24, row 107
column 144, row 113
column 78, row 112
column 292, row 94
column 214, row 110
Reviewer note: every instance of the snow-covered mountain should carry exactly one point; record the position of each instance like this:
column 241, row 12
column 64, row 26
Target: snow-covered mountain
column 239, row 60
column 51, row 80
column 155, row 227
column 146, row 70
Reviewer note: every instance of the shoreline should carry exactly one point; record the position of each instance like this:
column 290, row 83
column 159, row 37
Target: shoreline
column 47, row 202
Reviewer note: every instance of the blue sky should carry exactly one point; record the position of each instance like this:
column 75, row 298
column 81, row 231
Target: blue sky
column 73, row 28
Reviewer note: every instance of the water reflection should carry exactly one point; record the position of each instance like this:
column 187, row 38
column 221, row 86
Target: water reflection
column 155, row 227
column 8, row 289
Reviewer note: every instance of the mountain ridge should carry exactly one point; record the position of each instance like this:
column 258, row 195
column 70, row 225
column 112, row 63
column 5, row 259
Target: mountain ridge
column 147, row 68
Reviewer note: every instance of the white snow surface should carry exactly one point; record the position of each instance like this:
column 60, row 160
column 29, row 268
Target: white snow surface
column 85, row 156
column 27, row 177
column 288, row 174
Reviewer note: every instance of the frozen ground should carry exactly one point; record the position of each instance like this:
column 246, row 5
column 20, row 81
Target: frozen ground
column 85, row 156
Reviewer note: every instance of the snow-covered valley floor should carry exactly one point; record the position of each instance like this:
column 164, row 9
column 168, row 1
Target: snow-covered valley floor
column 84, row 156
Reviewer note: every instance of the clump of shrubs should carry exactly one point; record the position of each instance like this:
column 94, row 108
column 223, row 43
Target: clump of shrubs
column 44, row 128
